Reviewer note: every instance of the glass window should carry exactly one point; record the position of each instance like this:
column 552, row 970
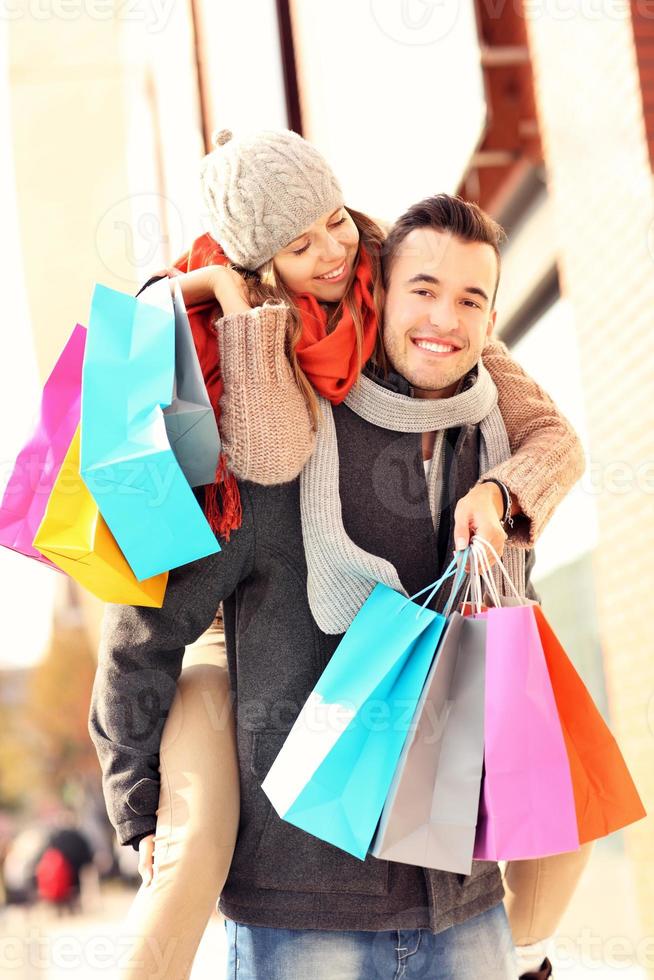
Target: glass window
column 563, row 573
column 393, row 95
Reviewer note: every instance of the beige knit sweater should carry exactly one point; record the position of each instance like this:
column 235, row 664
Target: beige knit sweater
column 267, row 437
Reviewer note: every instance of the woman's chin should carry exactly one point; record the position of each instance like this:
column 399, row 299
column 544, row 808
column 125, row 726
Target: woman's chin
column 330, row 294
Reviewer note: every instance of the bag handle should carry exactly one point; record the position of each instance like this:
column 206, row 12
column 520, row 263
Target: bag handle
column 461, row 558
column 480, row 571
column 480, row 574
column 451, row 570
column 473, row 590
column 480, row 549
column 484, row 576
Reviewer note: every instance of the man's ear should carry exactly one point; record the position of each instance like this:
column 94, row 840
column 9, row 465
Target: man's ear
column 490, row 326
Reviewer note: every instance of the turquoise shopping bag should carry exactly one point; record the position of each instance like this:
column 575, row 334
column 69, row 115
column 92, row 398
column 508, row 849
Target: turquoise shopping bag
column 126, row 458
column 333, row 773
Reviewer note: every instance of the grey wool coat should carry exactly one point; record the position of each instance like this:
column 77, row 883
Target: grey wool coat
column 281, row 876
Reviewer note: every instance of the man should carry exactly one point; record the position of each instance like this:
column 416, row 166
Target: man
column 295, row 905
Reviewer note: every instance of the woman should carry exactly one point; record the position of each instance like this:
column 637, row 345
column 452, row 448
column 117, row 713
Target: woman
column 302, row 315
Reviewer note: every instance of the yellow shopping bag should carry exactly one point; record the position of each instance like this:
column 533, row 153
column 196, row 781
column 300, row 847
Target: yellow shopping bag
column 74, row 537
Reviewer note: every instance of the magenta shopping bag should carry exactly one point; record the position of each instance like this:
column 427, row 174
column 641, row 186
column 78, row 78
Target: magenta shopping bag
column 527, row 806
column 39, row 461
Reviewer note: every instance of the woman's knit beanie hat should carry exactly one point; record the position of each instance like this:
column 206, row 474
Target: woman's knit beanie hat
column 263, row 190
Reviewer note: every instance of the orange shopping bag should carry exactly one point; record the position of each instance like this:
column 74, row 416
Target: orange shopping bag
column 606, row 798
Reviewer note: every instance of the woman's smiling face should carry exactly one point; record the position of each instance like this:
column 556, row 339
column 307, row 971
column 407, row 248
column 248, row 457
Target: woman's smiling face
column 321, row 259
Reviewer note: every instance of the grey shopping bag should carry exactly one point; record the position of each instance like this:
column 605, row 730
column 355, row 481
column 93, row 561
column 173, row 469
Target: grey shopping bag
column 430, row 815
column 190, row 420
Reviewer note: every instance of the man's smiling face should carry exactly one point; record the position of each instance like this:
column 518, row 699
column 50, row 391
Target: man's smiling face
column 438, row 309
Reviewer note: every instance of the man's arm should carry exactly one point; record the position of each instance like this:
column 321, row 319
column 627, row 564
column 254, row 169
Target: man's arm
column 139, row 662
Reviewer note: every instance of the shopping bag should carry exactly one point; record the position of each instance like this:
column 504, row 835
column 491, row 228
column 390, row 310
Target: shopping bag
column 430, row 815
column 606, row 798
column 39, row 461
column 524, row 748
column 190, row 420
column 126, row 459
column 74, row 537
column 334, row 770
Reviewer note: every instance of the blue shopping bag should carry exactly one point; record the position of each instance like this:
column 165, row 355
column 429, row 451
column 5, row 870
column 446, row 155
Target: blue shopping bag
column 126, row 458
column 333, row 773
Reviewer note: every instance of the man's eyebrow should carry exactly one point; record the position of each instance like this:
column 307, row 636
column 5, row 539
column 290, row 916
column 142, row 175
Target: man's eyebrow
column 425, row 277
column 304, row 235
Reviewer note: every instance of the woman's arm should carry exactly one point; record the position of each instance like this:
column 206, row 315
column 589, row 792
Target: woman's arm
column 265, row 423
column 547, row 455
column 209, row 284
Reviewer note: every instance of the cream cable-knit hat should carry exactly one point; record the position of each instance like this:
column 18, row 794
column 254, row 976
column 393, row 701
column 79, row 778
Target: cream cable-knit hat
column 263, row 190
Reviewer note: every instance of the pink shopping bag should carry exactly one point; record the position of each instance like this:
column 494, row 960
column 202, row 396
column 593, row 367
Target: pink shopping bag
column 527, row 807
column 39, row 461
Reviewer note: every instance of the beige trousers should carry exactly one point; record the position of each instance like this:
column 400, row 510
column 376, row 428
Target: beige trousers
column 197, row 822
column 538, row 892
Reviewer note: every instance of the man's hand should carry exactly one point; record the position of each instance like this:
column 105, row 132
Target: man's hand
column 146, row 858
column 479, row 512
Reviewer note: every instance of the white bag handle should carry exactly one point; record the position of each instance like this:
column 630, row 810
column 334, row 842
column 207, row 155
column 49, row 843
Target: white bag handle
column 479, row 546
column 483, row 574
column 473, row 591
column 479, row 576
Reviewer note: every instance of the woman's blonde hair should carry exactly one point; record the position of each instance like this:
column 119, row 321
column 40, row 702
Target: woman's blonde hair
column 265, row 284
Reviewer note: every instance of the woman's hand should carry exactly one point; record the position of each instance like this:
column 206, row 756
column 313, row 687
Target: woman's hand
column 169, row 270
column 211, row 282
column 146, row 858
column 480, row 512
column 230, row 289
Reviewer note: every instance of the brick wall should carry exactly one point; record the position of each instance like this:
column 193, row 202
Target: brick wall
column 590, row 107
column 643, row 26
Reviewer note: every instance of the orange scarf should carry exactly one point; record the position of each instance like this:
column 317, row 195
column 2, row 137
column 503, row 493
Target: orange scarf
column 330, row 361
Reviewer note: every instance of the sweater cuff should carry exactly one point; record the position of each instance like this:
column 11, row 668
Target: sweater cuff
column 252, row 345
column 521, row 535
column 537, row 489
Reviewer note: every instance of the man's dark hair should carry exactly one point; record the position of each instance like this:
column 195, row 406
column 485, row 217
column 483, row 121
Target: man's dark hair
column 442, row 212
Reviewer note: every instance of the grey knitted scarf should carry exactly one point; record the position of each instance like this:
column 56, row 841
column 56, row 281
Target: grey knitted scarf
column 341, row 575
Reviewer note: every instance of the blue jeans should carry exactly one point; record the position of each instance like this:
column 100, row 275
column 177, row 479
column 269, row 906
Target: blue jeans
column 482, row 947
